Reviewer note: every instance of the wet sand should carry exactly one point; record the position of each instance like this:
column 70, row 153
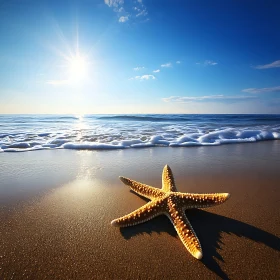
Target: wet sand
column 56, row 207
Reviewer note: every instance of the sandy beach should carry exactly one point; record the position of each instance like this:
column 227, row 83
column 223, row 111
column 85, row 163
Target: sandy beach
column 56, row 207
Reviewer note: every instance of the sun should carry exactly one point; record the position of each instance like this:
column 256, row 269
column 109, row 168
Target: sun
column 77, row 68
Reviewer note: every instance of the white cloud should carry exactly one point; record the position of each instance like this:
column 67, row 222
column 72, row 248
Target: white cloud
column 128, row 12
column 178, row 61
column 156, row 71
column 142, row 13
column 148, row 77
column 144, row 77
column 210, row 62
column 207, row 98
column 207, row 63
column 261, row 90
column 123, row 19
column 166, row 65
column 114, row 3
column 57, row 82
column 274, row 64
column 138, row 68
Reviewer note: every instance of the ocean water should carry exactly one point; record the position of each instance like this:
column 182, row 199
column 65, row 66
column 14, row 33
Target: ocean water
column 36, row 132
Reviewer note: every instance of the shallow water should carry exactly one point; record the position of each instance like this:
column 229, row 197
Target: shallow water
column 93, row 132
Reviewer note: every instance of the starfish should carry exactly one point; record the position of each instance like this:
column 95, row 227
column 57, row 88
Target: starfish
column 170, row 202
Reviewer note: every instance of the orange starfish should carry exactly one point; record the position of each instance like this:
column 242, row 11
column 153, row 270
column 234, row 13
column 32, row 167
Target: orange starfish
column 170, row 202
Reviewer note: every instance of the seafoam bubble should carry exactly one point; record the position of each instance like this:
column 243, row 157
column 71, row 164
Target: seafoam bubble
column 140, row 131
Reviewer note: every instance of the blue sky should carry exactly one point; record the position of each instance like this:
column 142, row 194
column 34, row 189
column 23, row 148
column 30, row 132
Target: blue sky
column 157, row 56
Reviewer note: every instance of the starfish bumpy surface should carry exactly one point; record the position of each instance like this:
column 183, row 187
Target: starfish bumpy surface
column 170, row 202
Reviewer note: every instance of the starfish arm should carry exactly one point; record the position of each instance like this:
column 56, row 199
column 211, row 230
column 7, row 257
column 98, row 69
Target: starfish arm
column 141, row 215
column 142, row 189
column 168, row 182
column 195, row 200
column 186, row 233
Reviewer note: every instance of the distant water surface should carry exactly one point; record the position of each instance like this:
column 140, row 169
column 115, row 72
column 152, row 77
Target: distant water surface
column 36, row 132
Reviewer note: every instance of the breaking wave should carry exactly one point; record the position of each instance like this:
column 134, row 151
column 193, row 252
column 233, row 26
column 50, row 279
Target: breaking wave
column 98, row 132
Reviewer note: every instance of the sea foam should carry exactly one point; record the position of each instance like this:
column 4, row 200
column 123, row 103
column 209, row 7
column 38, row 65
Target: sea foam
column 94, row 132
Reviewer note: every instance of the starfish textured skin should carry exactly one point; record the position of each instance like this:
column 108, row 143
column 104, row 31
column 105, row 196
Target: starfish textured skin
column 170, row 202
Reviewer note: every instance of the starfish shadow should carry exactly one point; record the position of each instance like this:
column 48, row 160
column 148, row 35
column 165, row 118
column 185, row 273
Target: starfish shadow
column 214, row 225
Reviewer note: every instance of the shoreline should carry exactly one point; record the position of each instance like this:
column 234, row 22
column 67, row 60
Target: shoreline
column 61, row 228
